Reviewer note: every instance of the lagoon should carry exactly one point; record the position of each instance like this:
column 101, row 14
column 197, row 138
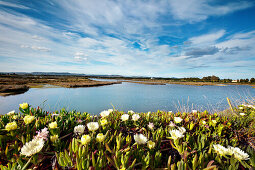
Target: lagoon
column 130, row 96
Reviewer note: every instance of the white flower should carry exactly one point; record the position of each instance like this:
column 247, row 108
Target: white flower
column 54, row 115
column 251, row 106
column 194, row 111
column 178, row 119
column 54, row 138
column 93, row 126
column 140, row 139
column 103, row 122
column 238, row 153
column 242, row 114
column 23, row 106
column 110, row 110
column 79, row 130
column 125, row 117
column 11, row 113
column 43, row 134
column 28, row 119
column 148, row 113
column 176, row 134
column 151, row 126
column 204, row 122
column 131, row 112
column 151, row 144
column 100, row 137
column 171, row 124
column 11, row 126
column 214, row 121
column 32, row 147
column 241, row 108
column 135, row 117
column 220, row 149
column 15, row 117
column 182, row 130
column 85, row 139
column 53, row 125
column 105, row 113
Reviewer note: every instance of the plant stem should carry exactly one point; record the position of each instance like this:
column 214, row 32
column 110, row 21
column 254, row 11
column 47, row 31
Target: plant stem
column 28, row 162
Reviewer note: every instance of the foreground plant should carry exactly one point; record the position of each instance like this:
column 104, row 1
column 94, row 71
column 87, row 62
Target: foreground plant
column 37, row 139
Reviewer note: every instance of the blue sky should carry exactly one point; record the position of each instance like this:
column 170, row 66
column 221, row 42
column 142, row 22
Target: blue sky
column 168, row 38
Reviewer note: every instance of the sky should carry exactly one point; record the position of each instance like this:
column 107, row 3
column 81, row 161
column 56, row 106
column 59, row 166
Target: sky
column 158, row 38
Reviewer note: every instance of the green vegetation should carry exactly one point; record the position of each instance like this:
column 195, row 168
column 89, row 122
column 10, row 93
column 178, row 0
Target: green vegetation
column 38, row 139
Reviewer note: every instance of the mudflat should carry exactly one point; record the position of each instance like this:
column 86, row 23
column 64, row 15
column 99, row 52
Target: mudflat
column 16, row 84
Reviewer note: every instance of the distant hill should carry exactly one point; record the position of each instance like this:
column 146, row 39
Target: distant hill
column 80, row 74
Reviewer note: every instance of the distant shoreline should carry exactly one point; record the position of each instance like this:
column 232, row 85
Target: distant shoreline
column 18, row 84
column 164, row 82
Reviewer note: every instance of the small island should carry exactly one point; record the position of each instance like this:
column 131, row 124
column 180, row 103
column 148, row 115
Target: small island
column 11, row 84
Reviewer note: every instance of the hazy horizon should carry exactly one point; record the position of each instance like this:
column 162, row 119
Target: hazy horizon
column 168, row 38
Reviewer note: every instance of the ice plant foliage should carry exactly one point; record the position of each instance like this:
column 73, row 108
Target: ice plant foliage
column 156, row 140
column 32, row 147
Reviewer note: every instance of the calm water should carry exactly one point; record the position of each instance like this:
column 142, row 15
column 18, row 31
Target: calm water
column 129, row 96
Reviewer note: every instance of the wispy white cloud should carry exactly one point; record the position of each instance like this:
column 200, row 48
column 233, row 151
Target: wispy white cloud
column 36, row 48
column 9, row 4
column 80, row 56
column 207, row 39
column 197, row 10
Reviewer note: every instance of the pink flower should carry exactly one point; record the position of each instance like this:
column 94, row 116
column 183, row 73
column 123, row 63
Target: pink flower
column 79, row 121
column 43, row 134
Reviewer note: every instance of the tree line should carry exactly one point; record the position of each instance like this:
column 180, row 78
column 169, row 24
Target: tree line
column 217, row 79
